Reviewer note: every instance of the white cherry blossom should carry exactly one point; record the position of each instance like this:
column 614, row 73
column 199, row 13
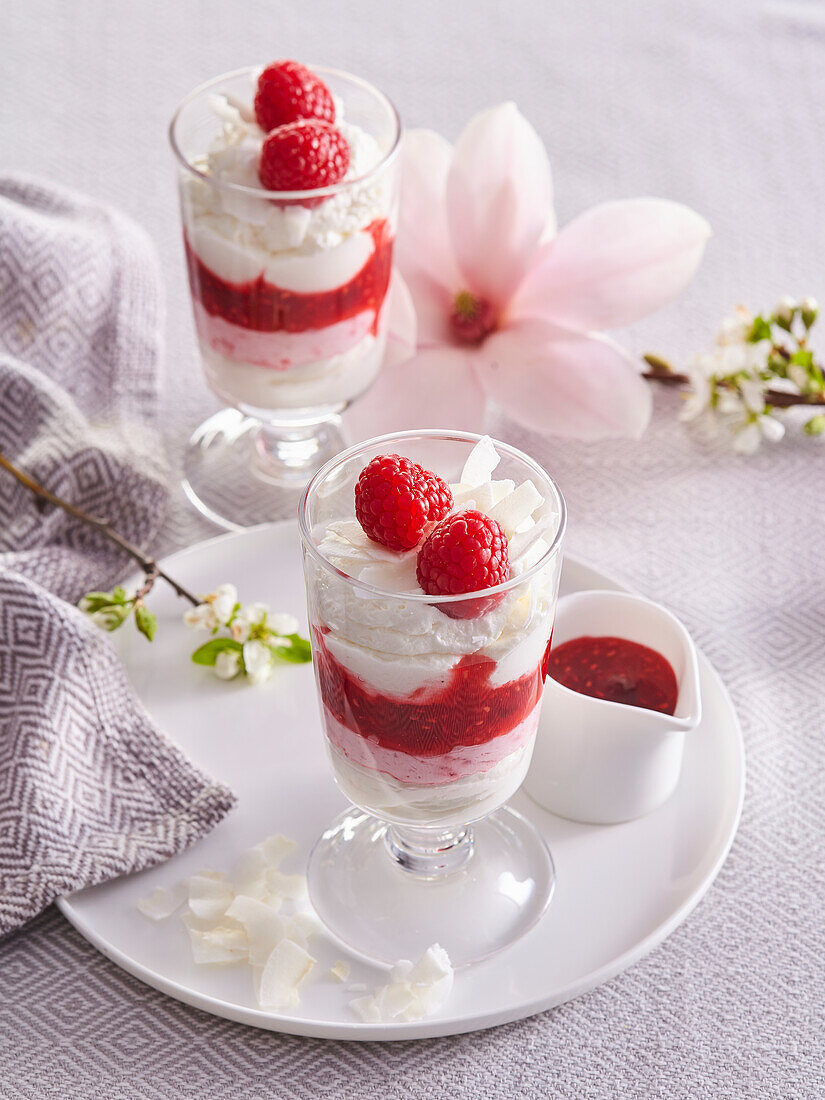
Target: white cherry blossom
column 223, row 601
column 257, row 660
column 282, row 623
column 201, row 617
column 227, row 664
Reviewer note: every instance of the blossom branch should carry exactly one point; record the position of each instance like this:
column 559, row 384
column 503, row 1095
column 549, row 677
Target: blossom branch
column 661, row 371
column 759, row 366
column 149, row 566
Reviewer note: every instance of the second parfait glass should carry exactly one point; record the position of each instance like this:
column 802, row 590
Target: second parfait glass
column 289, row 291
column 430, row 707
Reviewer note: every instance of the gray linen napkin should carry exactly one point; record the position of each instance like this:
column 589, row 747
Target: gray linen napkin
column 89, row 788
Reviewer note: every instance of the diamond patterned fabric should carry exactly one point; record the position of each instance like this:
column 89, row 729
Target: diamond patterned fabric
column 89, row 789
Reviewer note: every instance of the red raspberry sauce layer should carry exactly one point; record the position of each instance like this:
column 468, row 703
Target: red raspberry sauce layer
column 466, row 710
column 264, row 307
column 617, row 670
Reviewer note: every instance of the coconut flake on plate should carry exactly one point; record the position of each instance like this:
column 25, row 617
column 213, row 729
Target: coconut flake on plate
column 340, row 970
column 262, row 925
column 221, row 944
column 415, row 990
column 162, row 903
column 287, row 966
column 210, row 893
column 243, row 920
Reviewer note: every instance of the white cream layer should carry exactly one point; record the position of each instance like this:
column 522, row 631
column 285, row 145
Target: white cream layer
column 321, row 384
column 457, row 803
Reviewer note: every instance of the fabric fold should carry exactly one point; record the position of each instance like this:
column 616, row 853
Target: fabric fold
column 89, row 787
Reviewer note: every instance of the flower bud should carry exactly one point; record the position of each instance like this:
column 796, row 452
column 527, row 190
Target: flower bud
column 771, row 428
column 227, row 664
column 799, row 376
column 784, row 311
column 809, row 311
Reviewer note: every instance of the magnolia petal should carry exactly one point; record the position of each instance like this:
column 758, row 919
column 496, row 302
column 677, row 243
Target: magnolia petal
column 564, row 383
column 401, row 337
column 437, row 388
column 614, row 264
column 423, row 252
column 499, row 201
column 433, row 304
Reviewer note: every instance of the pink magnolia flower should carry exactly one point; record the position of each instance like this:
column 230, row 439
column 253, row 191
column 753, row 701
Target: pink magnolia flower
column 508, row 310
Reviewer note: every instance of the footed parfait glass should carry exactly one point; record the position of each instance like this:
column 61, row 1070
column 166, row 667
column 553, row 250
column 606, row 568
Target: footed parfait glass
column 289, row 292
column 429, row 707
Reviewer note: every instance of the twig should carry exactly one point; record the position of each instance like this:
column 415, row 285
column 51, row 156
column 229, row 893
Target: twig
column 660, row 372
column 149, row 566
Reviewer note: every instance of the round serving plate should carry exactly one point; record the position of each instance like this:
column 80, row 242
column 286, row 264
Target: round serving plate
column 621, row 889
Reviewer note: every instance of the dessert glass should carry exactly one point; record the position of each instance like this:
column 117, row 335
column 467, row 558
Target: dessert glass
column 430, row 708
column 289, row 292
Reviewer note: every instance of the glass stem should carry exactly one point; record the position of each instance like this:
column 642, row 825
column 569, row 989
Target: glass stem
column 288, row 454
column 429, row 853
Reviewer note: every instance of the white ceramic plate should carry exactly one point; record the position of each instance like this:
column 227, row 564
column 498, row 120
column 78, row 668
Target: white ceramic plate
column 621, row 888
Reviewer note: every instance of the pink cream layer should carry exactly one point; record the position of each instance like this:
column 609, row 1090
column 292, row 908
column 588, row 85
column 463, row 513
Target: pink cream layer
column 280, row 350
column 430, row 771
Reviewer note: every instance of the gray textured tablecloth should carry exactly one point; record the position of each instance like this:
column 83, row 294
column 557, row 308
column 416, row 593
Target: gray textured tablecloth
column 718, row 105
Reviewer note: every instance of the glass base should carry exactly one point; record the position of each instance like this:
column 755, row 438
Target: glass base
column 389, row 892
column 239, row 472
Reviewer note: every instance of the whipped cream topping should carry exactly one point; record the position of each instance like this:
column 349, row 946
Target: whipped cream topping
column 259, row 229
column 398, row 645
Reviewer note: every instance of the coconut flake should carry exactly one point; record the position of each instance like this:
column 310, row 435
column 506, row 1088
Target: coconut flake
column 516, row 507
column 276, row 848
column 262, row 925
column 367, row 1009
column 394, row 576
column 289, row 887
column 210, row 893
column 340, row 970
column 221, row 945
column 162, row 903
column 285, row 969
column 415, row 990
column 481, row 462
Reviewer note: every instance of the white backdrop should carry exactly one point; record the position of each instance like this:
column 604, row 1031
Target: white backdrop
column 718, row 104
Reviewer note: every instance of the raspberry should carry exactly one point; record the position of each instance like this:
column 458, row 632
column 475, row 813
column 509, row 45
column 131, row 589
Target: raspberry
column 396, row 498
column 302, row 156
column 288, row 91
column 466, row 552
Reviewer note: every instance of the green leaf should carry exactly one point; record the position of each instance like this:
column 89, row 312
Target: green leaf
column 111, row 616
column 761, row 330
column 298, row 653
column 804, row 357
column 94, row 601
column 815, row 426
column 119, row 595
column 207, row 654
column 145, row 620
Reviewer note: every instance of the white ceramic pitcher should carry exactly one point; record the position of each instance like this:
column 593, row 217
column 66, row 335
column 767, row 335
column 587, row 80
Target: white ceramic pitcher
column 603, row 762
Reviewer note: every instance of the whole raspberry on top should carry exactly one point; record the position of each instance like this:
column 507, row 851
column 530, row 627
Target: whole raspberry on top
column 288, row 91
column 466, row 552
column 302, row 156
column 395, row 499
